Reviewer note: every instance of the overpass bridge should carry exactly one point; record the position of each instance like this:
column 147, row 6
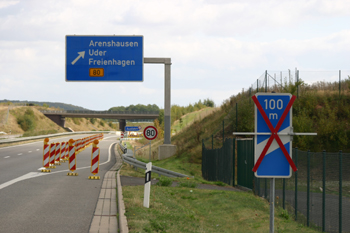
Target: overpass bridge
column 59, row 117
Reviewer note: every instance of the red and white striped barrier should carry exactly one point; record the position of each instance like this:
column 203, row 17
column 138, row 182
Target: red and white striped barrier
column 63, row 151
column 57, row 154
column 46, row 155
column 95, row 160
column 52, row 155
column 66, row 156
column 72, row 159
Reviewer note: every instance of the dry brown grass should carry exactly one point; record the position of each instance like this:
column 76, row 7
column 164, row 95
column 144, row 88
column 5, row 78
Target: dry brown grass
column 86, row 125
column 42, row 123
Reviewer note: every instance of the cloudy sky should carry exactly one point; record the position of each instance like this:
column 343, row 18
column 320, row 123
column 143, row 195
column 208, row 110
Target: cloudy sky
column 217, row 47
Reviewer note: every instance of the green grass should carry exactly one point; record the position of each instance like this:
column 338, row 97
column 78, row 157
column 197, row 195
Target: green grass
column 181, row 209
column 189, row 118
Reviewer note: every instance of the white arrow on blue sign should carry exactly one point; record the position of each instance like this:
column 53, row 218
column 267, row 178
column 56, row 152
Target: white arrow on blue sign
column 104, row 58
column 274, row 164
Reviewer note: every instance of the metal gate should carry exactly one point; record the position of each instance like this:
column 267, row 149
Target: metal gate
column 245, row 162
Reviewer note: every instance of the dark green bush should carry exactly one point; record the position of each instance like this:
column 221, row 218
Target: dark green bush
column 164, row 181
column 27, row 121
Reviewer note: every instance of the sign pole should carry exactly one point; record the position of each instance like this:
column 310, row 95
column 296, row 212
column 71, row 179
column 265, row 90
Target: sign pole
column 150, row 151
column 272, row 204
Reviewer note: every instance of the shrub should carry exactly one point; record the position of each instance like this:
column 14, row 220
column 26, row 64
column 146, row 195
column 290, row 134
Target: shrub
column 27, row 121
column 92, row 120
column 188, row 184
column 164, row 181
column 76, row 121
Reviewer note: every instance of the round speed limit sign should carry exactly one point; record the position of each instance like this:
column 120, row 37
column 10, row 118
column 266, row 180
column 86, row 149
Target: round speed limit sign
column 150, row 132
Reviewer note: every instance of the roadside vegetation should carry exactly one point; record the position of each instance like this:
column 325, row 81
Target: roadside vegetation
column 182, row 209
column 179, row 209
column 29, row 121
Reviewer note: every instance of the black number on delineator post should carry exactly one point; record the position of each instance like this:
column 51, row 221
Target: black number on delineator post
column 147, row 177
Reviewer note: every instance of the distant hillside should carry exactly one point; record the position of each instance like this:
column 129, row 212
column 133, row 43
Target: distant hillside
column 50, row 104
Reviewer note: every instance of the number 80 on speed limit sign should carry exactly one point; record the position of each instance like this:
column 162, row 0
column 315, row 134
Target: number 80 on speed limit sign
column 150, row 132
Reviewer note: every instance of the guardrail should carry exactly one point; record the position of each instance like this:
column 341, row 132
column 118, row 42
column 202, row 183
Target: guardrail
column 49, row 135
column 128, row 158
column 98, row 112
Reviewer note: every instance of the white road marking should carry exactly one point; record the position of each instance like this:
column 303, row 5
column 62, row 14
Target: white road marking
column 37, row 174
column 6, row 157
column 24, row 177
column 20, row 154
column 29, row 152
column 37, row 149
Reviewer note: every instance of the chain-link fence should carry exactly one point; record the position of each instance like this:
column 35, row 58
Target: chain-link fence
column 219, row 164
column 318, row 194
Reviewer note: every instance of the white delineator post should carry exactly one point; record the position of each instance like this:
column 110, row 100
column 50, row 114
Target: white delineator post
column 147, row 192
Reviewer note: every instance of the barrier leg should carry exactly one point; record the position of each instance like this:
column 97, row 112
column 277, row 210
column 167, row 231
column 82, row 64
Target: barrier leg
column 95, row 161
column 72, row 159
column 46, row 156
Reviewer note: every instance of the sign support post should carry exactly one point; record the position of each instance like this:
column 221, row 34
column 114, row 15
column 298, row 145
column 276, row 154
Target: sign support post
column 272, row 204
column 150, row 151
column 273, row 140
column 150, row 133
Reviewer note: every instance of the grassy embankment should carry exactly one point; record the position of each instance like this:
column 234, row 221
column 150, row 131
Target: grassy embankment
column 323, row 112
column 29, row 121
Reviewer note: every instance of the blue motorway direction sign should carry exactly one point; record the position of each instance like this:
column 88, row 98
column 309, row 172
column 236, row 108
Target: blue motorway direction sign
column 104, row 58
column 273, row 116
column 132, row 128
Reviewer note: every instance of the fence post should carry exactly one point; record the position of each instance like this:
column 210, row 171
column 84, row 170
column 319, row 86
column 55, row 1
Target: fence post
column 234, row 161
column 339, row 82
column 298, row 84
column 296, row 185
column 308, row 190
column 223, row 132
column 236, row 116
column 212, row 141
column 265, row 81
column 324, row 193
column 250, row 94
column 340, row 190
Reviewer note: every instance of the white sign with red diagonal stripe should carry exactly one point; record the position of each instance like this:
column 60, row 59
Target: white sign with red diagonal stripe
column 273, row 117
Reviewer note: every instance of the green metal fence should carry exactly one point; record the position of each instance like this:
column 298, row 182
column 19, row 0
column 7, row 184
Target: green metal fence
column 219, row 164
column 317, row 195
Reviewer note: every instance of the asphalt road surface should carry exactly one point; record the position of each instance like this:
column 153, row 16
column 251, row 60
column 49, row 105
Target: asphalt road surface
column 33, row 201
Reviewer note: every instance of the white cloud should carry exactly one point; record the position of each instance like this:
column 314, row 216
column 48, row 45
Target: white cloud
column 217, row 47
column 5, row 3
